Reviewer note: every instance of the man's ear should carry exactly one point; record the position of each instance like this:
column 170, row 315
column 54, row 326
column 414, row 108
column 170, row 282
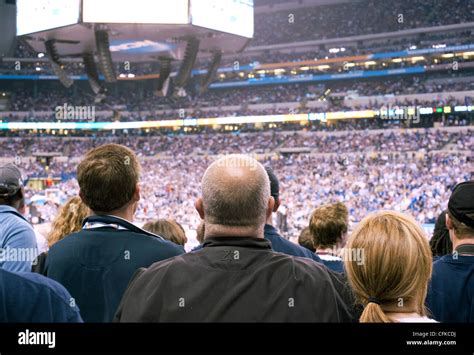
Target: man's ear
column 270, row 207
column 449, row 222
column 277, row 204
column 199, row 207
column 81, row 195
column 136, row 194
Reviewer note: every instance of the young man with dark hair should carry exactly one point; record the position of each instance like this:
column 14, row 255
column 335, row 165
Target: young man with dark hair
column 328, row 226
column 18, row 246
column 236, row 276
column 96, row 264
column 451, row 293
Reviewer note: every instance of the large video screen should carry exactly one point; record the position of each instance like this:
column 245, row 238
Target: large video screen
column 41, row 15
column 231, row 16
column 136, row 11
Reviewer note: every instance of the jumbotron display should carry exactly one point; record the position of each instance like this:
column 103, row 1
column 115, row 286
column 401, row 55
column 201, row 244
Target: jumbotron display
column 231, row 16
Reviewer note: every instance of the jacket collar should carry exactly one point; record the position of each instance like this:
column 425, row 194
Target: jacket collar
column 108, row 219
column 9, row 209
column 244, row 242
column 269, row 229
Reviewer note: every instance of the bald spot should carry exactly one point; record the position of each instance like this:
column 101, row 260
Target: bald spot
column 235, row 192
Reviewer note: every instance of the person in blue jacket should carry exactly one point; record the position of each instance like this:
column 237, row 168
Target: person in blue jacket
column 33, row 298
column 18, row 247
column 96, row 264
column 451, row 293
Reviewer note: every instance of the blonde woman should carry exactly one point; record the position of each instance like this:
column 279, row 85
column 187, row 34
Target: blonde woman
column 68, row 220
column 391, row 278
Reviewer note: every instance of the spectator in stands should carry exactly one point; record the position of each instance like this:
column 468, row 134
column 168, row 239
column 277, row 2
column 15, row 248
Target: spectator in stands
column 388, row 263
column 305, row 239
column 328, row 226
column 96, row 264
column 279, row 243
column 451, row 293
column 200, row 231
column 236, row 277
column 68, row 221
column 31, row 298
column 440, row 242
column 18, row 246
column 168, row 229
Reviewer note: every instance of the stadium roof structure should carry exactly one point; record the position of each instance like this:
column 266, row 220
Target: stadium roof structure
column 138, row 30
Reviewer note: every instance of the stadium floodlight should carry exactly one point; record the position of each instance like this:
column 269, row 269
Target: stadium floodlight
column 190, row 55
column 92, row 73
column 211, row 72
column 105, row 58
column 56, row 65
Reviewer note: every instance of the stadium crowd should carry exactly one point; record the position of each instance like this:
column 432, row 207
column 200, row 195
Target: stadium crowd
column 95, row 248
column 357, row 18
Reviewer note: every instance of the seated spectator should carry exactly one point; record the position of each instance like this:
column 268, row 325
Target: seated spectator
column 451, row 293
column 200, row 231
column 68, row 221
column 96, row 263
column 168, row 229
column 390, row 274
column 31, row 298
column 440, row 242
column 305, row 239
column 328, row 226
column 235, row 277
column 18, row 247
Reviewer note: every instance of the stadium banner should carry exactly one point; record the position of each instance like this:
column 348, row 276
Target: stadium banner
column 408, row 52
column 314, row 78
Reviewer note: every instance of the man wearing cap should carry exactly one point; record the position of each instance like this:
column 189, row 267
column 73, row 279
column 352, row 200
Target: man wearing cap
column 279, row 243
column 451, row 293
column 18, row 246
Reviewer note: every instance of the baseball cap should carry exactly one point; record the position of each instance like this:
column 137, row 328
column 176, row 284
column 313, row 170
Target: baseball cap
column 10, row 180
column 461, row 203
column 274, row 183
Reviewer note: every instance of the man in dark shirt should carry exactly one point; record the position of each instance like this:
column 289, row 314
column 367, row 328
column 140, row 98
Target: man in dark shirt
column 236, row 277
column 96, row 264
column 32, row 298
column 451, row 293
column 277, row 242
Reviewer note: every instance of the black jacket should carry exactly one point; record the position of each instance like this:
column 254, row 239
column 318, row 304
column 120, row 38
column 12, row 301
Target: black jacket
column 96, row 265
column 234, row 280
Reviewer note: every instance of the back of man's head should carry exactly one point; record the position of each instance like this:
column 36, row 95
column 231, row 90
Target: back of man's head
column 461, row 210
column 11, row 186
column 236, row 192
column 108, row 177
column 328, row 224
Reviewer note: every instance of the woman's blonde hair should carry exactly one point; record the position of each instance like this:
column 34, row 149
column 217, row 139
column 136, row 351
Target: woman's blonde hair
column 68, row 221
column 396, row 264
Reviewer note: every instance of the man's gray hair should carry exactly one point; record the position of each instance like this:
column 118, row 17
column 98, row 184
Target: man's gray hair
column 235, row 192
